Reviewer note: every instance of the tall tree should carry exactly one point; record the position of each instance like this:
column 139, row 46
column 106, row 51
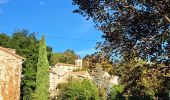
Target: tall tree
column 42, row 78
column 133, row 28
column 26, row 45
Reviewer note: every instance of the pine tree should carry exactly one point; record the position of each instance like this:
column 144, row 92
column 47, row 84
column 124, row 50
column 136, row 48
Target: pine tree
column 42, row 78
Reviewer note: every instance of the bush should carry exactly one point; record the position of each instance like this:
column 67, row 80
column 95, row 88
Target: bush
column 116, row 92
column 78, row 90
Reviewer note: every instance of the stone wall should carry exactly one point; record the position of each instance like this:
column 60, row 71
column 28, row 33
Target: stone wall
column 56, row 75
column 10, row 76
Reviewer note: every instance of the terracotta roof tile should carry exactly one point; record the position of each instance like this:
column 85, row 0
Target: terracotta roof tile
column 63, row 64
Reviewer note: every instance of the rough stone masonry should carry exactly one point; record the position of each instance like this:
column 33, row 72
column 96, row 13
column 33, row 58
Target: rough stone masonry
column 10, row 74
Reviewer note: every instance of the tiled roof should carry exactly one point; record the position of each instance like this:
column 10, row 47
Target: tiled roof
column 78, row 73
column 7, row 50
column 63, row 64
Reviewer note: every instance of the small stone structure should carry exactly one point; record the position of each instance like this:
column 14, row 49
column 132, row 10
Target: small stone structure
column 57, row 72
column 75, row 75
column 10, row 74
column 61, row 72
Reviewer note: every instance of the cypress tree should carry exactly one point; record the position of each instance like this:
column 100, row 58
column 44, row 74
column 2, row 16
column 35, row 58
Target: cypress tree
column 42, row 78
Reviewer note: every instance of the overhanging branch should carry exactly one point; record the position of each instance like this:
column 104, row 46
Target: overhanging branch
column 167, row 18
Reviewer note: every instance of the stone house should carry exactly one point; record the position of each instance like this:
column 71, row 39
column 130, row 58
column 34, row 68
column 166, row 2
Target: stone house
column 61, row 72
column 76, row 75
column 10, row 74
column 57, row 72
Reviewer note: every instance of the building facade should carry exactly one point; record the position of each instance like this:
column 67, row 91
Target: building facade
column 57, row 72
column 10, row 74
column 61, row 72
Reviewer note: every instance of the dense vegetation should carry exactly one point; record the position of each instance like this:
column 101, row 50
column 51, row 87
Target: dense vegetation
column 26, row 45
column 67, row 57
column 97, row 59
column 137, row 31
column 78, row 90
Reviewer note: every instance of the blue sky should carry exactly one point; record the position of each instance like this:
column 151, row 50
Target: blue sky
column 62, row 28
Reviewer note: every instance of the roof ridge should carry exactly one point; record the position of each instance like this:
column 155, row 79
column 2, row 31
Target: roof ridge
column 11, row 53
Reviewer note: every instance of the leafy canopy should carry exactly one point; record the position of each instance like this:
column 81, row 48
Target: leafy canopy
column 78, row 90
column 131, row 27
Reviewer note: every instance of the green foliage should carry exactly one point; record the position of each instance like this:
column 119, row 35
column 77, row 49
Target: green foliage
column 134, row 28
column 68, row 57
column 138, row 77
column 102, row 93
column 26, row 45
column 116, row 92
column 93, row 60
column 5, row 40
column 78, row 90
column 56, row 58
column 42, row 77
column 127, row 25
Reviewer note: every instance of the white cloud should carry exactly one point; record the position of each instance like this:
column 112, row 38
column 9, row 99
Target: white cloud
column 3, row 1
column 41, row 3
column 85, row 52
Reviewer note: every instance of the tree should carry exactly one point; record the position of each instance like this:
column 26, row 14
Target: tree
column 55, row 58
column 42, row 78
column 26, row 45
column 78, row 90
column 129, row 26
column 68, row 57
column 116, row 92
column 97, row 59
column 4, row 40
column 133, row 28
column 139, row 78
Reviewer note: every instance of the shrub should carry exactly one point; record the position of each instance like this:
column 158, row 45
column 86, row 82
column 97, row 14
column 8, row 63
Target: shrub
column 116, row 92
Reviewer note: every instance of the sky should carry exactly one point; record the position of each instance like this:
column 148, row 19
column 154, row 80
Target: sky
column 62, row 28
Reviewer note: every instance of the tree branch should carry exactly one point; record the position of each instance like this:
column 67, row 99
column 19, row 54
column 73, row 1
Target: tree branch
column 167, row 18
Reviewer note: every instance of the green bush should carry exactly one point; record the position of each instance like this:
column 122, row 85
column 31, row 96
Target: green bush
column 116, row 92
column 78, row 90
